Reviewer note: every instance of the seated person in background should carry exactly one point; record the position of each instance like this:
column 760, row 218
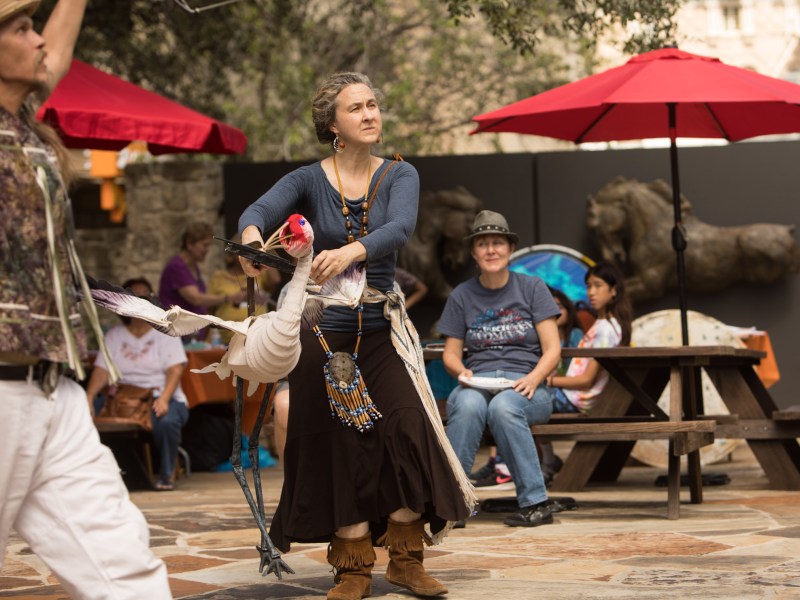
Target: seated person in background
column 507, row 323
column 569, row 331
column 181, row 282
column 280, row 403
column 411, row 286
column 577, row 390
column 149, row 359
column 230, row 282
column 280, row 408
column 495, row 473
column 570, row 335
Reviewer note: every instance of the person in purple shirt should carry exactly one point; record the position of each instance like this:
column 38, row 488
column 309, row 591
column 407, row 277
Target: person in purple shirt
column 181, row 282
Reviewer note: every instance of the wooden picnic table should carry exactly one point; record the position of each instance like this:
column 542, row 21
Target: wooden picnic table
column 639, row 376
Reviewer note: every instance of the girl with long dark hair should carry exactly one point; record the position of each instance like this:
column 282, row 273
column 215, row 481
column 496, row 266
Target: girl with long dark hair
column 577, row 390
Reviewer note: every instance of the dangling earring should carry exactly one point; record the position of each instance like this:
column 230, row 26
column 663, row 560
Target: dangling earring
column 337, row 145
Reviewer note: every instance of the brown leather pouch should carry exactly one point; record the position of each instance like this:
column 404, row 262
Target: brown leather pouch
column 128, row 404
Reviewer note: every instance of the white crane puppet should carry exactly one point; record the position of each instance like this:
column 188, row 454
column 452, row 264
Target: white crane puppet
column 263, row 349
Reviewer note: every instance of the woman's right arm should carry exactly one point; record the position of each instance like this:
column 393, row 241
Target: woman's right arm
column 453, row 358
column 268, row 212
column 97, row 381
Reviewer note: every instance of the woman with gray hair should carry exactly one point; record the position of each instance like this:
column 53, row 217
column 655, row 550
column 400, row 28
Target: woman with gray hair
column 366, row 459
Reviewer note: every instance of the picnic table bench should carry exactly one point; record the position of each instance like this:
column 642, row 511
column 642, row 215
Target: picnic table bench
column 638, row 375
column 628, row 411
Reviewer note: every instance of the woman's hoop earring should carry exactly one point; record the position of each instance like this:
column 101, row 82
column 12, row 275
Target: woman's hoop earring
column 337, row 145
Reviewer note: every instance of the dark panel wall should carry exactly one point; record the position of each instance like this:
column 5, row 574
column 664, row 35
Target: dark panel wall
column 737, row 184
column 544, row 198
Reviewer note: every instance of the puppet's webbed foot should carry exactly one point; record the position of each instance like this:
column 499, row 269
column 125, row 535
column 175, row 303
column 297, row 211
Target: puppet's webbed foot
column 271, row 559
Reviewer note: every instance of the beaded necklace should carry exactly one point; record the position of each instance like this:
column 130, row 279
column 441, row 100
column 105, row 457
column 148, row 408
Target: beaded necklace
column 348, row 396
column 365, row 205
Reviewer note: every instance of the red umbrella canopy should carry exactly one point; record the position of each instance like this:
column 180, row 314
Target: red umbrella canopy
column 92, row 109
column 713, row 100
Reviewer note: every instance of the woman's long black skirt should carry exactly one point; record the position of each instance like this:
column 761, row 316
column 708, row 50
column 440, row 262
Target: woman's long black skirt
column 336, row 476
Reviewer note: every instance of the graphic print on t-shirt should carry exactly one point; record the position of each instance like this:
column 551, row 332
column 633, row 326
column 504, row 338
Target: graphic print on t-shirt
column 494, row 328
column 135, row 352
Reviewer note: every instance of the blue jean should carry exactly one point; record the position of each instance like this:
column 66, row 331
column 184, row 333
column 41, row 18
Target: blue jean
column 509, row 415
column 558, row 398
column 167, row 436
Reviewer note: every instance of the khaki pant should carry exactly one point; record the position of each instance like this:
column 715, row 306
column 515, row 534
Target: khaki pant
column 61, row 490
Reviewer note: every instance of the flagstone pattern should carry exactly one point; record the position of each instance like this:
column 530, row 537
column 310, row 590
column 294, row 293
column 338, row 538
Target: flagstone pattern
column 742, row 542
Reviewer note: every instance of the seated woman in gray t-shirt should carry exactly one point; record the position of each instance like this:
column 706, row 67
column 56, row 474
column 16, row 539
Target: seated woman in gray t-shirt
column 506, row 322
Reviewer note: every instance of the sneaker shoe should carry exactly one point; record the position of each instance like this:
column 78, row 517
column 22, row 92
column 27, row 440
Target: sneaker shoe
column 562, row 503
column 483, row 472
column 501, row 468
column 550, row 469
column 496, row 481
column 531, row 516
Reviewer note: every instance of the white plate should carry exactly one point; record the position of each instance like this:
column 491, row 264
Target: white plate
column 487, row 383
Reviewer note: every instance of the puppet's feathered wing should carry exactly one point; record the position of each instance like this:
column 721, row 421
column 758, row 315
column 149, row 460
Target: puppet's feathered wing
column 265, row 348
column 175, row 322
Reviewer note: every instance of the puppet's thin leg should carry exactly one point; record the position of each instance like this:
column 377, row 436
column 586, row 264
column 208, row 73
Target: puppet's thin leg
column 253, row 449
column 266, row 549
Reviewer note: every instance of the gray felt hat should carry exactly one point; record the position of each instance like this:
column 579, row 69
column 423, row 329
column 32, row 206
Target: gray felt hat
column 488, row 222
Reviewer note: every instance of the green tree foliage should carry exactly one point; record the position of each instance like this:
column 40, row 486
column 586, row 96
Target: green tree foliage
column 256, row 63
column 524, row 24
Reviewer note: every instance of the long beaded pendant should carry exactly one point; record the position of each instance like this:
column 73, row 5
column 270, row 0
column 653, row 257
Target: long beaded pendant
column 348, row 396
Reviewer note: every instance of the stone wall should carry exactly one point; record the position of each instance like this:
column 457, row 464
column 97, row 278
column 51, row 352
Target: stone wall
column 161, row 197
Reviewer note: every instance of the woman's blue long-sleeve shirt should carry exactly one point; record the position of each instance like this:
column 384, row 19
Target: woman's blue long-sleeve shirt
column 392, row 219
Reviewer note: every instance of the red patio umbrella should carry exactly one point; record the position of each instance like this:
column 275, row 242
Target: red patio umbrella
column 92, row 109
column 663, row 93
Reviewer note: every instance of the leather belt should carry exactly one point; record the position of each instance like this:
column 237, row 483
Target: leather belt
column 42, row 372
column 14, row 372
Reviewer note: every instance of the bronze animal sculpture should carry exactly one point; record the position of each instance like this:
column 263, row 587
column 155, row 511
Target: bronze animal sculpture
column 631, row 222
column 445, row 218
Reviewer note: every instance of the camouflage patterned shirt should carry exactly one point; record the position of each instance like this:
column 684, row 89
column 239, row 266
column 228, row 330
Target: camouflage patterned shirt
column 29, row 318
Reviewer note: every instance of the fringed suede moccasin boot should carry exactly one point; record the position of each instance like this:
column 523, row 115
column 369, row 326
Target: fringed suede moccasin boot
column 352, row 560
column 406, row 542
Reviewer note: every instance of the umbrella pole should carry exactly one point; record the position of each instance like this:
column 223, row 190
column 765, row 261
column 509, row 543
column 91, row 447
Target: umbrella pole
column 678, row 231
column 691, row 393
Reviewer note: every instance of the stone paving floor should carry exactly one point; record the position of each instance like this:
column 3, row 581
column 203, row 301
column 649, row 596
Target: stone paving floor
column 743, row 542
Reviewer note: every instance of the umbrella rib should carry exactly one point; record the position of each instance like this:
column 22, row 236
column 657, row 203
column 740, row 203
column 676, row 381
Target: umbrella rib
column 720, row 128
column 600, row 117
column 489, row 126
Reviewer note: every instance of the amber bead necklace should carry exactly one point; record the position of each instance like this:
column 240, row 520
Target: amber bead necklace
column 346, row 211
